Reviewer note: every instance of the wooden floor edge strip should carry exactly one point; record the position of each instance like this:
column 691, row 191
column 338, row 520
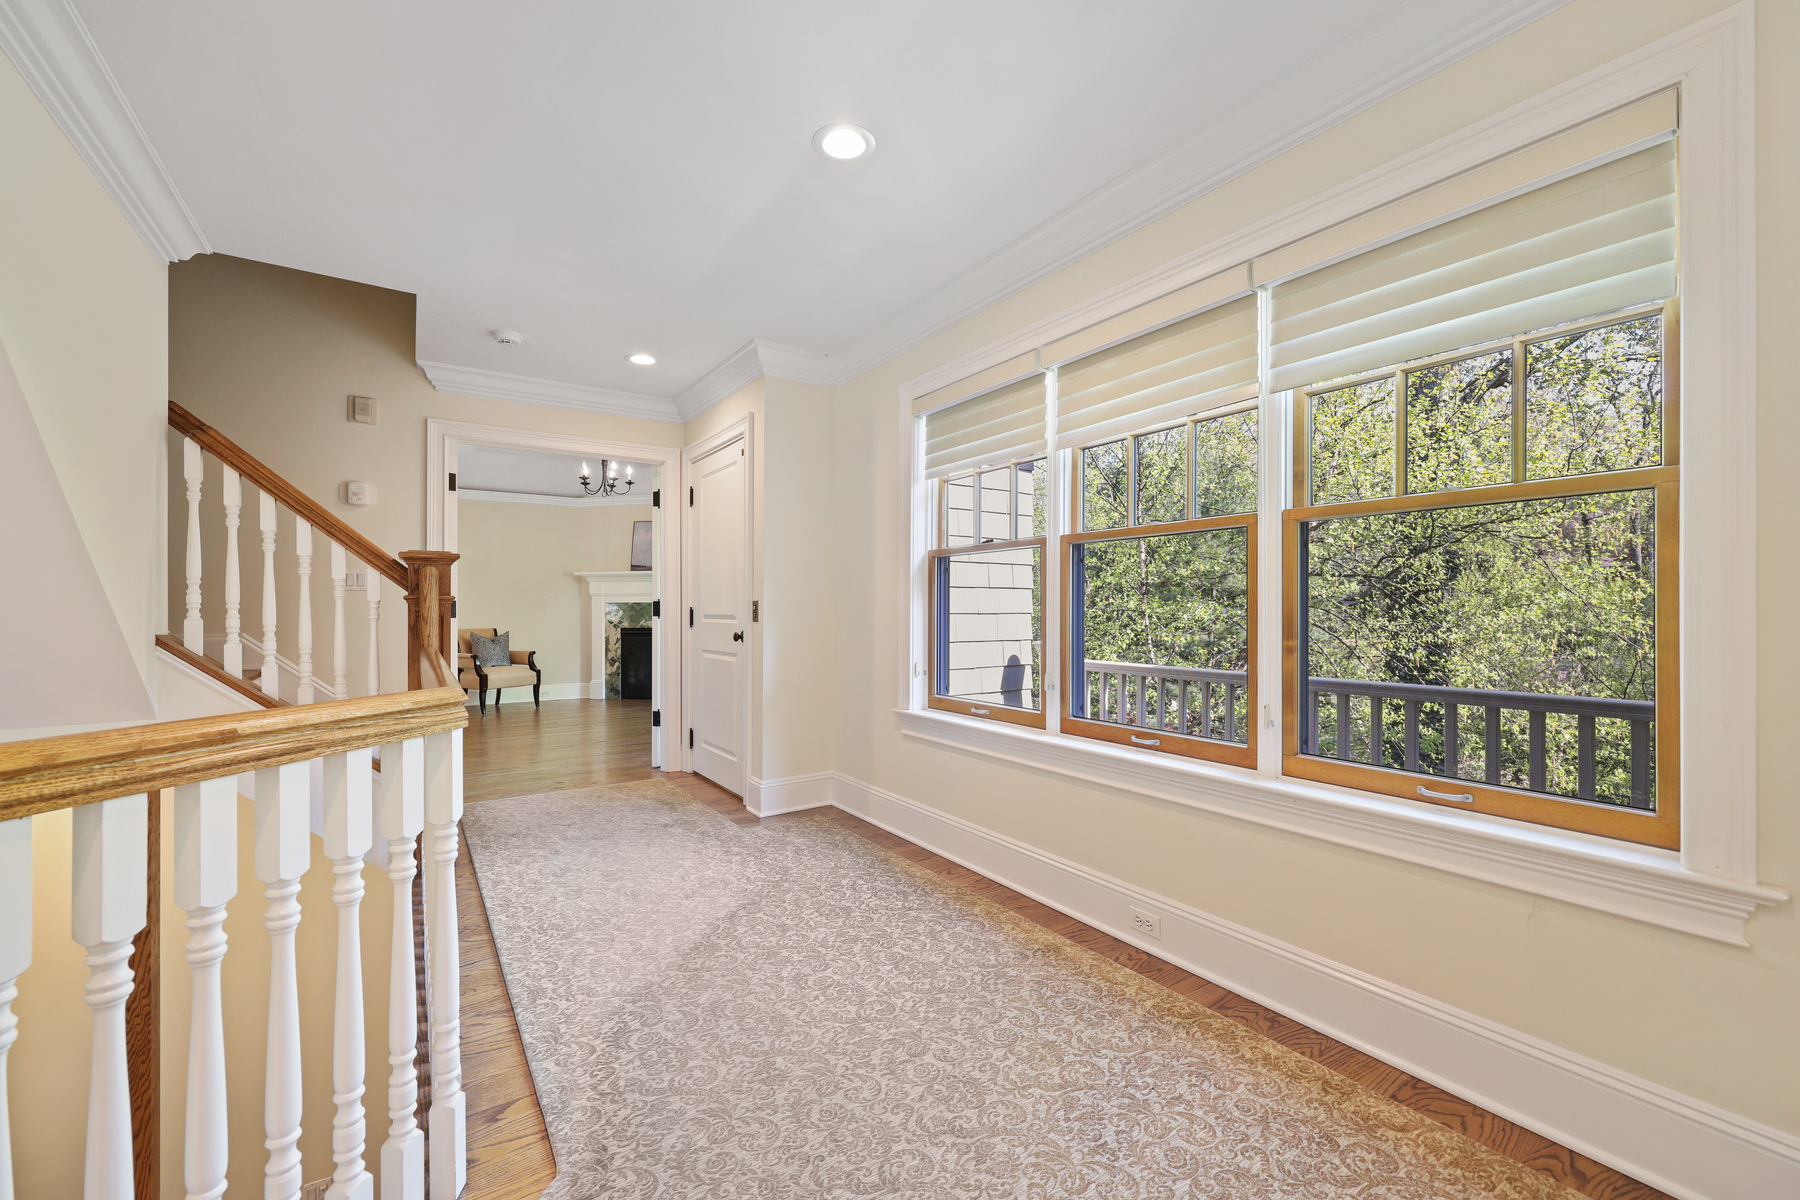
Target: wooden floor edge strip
column 499, row 1168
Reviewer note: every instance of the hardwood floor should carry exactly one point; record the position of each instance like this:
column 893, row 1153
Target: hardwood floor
column 578, row 743
column 518, row 750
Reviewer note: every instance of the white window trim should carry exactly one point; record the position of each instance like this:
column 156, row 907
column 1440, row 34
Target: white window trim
column 1709, row 888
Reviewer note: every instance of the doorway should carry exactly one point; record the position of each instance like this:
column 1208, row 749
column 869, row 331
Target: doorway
column 460, row 455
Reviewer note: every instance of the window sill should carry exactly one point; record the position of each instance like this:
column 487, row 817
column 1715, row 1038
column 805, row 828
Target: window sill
column 1639, row 882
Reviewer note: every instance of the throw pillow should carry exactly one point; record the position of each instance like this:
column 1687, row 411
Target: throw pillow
column 491, row 652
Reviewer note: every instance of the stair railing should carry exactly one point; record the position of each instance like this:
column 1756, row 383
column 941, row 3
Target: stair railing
column 321, row 542
column 110, row 780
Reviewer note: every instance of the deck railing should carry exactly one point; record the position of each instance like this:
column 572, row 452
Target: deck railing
column 1186, row 699
column 1149, row 697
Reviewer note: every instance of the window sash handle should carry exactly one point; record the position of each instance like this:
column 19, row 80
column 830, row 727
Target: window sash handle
column 978, row 712
column 1136, row 740
column 1465, row 798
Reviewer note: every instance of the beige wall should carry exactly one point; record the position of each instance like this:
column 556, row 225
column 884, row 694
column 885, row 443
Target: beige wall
column 84, row 318
column 517, row 574
column 1706, row 1019
column 796, row 573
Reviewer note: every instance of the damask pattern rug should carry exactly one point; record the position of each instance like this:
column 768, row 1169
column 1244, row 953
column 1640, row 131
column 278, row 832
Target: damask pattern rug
column 788, row 1011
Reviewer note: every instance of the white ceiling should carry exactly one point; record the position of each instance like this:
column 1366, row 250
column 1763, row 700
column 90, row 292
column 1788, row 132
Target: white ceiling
column 609, row 177
column 528, row 473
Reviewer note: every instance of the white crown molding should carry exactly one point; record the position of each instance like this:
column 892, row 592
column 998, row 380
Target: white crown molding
column 801, row 366
column 1275, row 121
column 498, row 385
column 738, row 371
column 752, row 361
column 51, row 46
column 1653, row 1133
column 468, row 493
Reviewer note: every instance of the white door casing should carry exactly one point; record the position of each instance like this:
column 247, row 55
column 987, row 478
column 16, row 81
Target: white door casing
column 718, row 520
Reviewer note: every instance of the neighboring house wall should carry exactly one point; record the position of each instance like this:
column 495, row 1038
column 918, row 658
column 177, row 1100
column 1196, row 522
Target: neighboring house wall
column 1708, row 1020
column 517, row 574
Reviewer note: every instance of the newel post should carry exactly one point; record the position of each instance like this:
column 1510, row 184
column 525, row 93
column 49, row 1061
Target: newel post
column 428, row 607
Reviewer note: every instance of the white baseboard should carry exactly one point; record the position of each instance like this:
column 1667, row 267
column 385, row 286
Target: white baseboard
column 771, row 797
column 1687, row 1147
column 522, row 694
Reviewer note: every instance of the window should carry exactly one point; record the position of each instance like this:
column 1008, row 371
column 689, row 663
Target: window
column 1161, row 589
column 987, row 576
column 1478, row 582
column 1481, row 595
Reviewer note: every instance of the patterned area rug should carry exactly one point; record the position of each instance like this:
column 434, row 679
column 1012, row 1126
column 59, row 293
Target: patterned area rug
column 789, row 1011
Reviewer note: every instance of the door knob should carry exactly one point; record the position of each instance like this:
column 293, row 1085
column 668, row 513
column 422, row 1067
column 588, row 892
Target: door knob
column 738, row 636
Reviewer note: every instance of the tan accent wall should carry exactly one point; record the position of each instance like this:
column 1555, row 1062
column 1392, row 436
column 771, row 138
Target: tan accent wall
column 1709, row 1020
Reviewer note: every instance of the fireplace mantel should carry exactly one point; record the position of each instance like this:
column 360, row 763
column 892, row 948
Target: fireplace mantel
column 603, row 588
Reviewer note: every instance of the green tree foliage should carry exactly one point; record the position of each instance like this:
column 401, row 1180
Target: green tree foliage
column 1553, row 597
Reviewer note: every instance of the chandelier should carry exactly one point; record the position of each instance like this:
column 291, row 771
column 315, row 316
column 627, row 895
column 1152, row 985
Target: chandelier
column 609, row 484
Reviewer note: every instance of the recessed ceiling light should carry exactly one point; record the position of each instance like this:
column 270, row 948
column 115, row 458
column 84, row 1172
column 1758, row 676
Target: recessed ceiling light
column 844, row 142
column 642, row 360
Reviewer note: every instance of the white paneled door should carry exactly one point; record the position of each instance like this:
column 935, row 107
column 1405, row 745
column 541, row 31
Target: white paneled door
column 719, row 633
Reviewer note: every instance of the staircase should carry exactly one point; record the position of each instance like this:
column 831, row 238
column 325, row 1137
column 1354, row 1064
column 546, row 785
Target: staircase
column 291, row 522
column 376, row 754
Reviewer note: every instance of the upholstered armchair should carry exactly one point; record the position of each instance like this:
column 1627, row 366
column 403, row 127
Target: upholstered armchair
column 521, row 671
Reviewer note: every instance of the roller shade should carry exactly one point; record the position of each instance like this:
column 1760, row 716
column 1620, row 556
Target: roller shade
column 995, row 427
column 1200, row 363
column 1590, row 243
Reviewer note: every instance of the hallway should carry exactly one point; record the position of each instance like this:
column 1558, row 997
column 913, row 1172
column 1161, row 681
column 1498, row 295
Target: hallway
column 576, row 744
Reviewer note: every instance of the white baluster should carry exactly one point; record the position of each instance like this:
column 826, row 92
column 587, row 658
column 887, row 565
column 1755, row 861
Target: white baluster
column 340, row 660
column 443, row 809
column 15, row 956
column 205, row 880
column 233, row 653
column 402, row 816
column 283, row 851
column 304, row 628
column 270, row 680
column 110, row 894
column 374, row 581
column 193, row 469
column 348, row 835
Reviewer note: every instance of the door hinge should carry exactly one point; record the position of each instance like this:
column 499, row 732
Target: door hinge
column 453, row 608
column 690, row 497
column 690, row 738
column 690, row 618
column 453, row 481
column 655, row 717
column 656, row 498
column 756, row 610
column 656, row 608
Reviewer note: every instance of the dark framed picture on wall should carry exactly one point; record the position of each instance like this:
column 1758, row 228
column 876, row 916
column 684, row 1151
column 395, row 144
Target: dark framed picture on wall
column 640, row 545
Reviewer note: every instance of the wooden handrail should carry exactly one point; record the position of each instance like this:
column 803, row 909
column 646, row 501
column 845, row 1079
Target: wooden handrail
column 298, row 502
column 46, row 774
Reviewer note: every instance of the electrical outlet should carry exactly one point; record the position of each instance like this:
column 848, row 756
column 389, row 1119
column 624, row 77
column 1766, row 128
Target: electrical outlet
column 1148, row 924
